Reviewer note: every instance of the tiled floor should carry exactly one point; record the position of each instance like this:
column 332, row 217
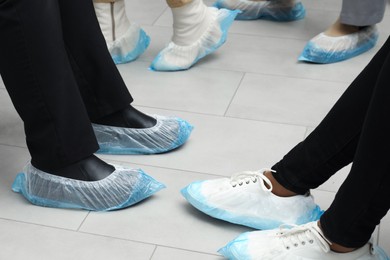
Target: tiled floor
column 250, row 103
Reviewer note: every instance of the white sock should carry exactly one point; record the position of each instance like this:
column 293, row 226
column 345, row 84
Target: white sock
column 190, row 22
column 112, row 19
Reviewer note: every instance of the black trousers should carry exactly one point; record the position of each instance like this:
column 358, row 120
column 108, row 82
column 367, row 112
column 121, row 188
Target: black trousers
column 357, row 130
column 57, row 69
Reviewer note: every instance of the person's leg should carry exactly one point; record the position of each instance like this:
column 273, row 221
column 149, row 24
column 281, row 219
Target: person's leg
column 126, row 41
column 198, row 30
column 362, row 12
column 264, row 200
column 332, row 145
column 344, row 230
column 274, row 10
column 105, row 94
column 364, row 198
column 35, row 68
column 353, row 33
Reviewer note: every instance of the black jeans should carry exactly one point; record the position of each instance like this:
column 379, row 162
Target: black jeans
column 57, row 69
column 357, row 130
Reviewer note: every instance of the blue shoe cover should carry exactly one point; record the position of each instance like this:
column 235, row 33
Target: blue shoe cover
column 299, row 242
column 237, row 248
column 123, row 188
column 168, row 134
column 130, row 46
column 175, row 57
column 273, row 10
column 249, row 206
column 326, row 49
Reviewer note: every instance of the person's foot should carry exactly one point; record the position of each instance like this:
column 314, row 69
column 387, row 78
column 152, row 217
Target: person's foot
column 129, row 118
column 247, row 199
column 339, row 29
column 198, row 30
column 120, row 189
column 293, row 242
column 88, row 169
column 339, row 42
column 274, row 10
column 126, row 41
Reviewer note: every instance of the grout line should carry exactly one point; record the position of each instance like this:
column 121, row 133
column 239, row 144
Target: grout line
column 188, row 250
column 234, row 94
column 82, row 222
column 223, row 116
column 154, row 251
column 14, row 146
column 162, row 13
column 162, row 167
column 39, row 225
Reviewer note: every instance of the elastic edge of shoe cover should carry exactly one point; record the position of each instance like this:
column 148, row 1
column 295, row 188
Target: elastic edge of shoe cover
column 142, row 45
column 298, row 12
column 224, row 20
column 201, row 205
column 185, row 129
column 313, row 54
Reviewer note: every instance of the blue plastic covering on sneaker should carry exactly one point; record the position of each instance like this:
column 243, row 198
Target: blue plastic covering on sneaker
column 123, row 188
column 237, row 248
column 255, row 244
column 130, row 46
column 175, row 57
column 326, row 49
column 168, row 134
column 277, row 10
column 193, row 194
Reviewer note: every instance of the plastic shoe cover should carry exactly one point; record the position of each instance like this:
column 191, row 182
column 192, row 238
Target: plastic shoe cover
column 327, row 49
column 304, row 242
column 274, row 10
column 123, row 188
column 168, row 134
column 175, row 57
column 244, row 199
column 130, row 46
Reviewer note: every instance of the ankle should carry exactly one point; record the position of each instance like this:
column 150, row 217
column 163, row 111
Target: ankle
column 128, row 117
column 340, row 29
column 277, row 188
column 336, row 247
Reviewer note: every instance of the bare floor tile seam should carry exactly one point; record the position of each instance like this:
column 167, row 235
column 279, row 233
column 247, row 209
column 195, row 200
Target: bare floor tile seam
column 128, row 161
column 234, row 94
column 226, row 116
column 15, row 146
column 186, row 250
column 38, row 225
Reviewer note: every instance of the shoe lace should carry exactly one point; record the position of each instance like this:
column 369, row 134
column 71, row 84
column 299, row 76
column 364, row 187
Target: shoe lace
column 293, row 236
column 247, row 177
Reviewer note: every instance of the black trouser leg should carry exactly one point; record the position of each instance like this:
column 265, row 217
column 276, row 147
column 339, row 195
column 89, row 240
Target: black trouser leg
column 48, row 74
column 355, row 130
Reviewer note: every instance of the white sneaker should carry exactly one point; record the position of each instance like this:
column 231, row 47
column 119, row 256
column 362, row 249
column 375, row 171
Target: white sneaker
column 300, row 242
column 244, row 199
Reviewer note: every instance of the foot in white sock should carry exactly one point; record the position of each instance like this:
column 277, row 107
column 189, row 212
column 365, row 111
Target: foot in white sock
column 125, row 41
column 198, row 30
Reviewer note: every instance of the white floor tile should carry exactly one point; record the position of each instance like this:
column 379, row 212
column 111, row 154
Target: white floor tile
column 164, row 253
column 224, row 146
column 284, row 100
column 193, row 90
column 21, row 241
column 250, row 102
column 166, row 219
column 14, row 206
